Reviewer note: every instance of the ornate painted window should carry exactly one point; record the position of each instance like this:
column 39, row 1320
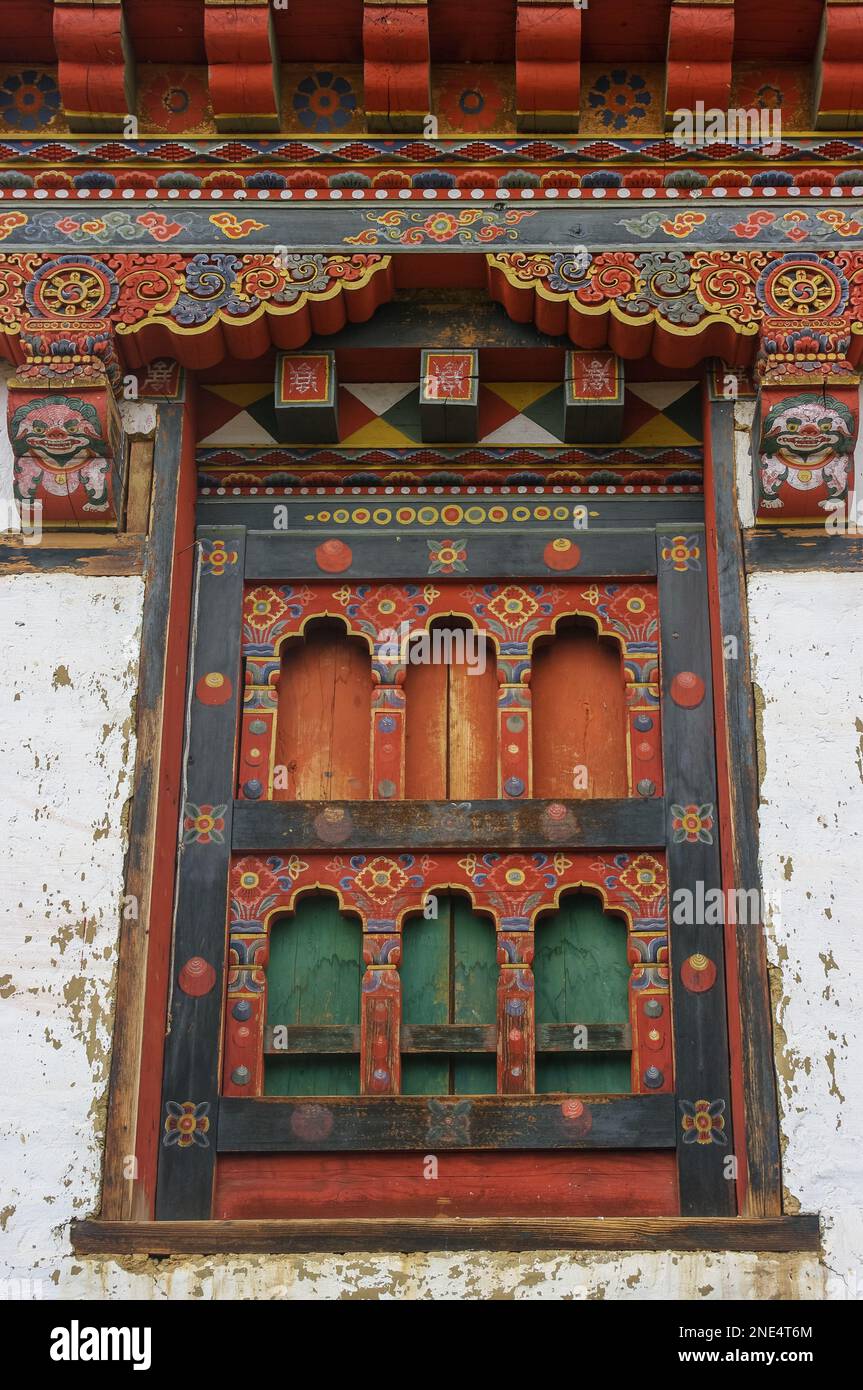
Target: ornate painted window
column 443, row 824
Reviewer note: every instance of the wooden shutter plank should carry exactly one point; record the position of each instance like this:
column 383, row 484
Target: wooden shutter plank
column 578, row 691
column 313, row 979
column 425, row 975
column 581, row 972
column 425, row 690
column 323, row 732
column 474, row 993
column 472, row 731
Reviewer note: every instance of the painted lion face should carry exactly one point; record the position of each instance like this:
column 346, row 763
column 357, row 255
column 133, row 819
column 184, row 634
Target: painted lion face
column 57, row 432
column 808, row 427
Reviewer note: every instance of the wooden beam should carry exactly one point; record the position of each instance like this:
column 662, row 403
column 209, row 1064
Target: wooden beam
column 700, row 44
column 95, row 65
column 750, row 1023
column 144, row 945
column 547, row 65
column 397, row 70
column 334, row 1124
column 325, row 1039
column 779, row 1235
column 698, row 992
column 242, row 54
column 838, row 60
column 424, row 826
column 140, row 485
column 797, row 549
column 68, row 553
column 288, row 556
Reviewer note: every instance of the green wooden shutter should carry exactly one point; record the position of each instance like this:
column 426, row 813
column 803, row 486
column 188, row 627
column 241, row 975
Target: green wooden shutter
column 582, row 976
column 449, row 975
column 313, row 978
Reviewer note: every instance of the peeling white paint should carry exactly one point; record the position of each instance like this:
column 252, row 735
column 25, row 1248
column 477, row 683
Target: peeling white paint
column 807, row 647
column 70, row 648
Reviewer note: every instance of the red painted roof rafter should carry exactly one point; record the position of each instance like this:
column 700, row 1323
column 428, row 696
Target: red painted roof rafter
column 548, row 65
column 397, row 65
column 243, row 64
column 700, row 46
column 839, row 67
column 96, row 81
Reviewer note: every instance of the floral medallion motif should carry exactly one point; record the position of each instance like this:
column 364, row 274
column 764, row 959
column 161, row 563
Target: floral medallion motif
column 447, row 557
column 682, row 553
column 216, row 557
column 473, row 100
column 29, row 100
column 703, row 1121
column 324, row 102
column 620, row 99
column 175, row 99
column 186, row 1124
column 449, row 1122
column 204, row 824
column 692, row 824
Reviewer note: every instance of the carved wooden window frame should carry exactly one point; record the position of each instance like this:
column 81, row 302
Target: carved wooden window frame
column 682, row 565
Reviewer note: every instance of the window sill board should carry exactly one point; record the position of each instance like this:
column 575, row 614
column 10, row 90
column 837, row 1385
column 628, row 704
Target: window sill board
column 778, row 1234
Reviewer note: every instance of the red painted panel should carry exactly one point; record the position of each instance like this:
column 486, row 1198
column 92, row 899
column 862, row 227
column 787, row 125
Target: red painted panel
column 308, row 31
column 468, row 1184
column 165, row 33
column 777, row 32
column 26, row 31
column 482, row 32
column 625, row 31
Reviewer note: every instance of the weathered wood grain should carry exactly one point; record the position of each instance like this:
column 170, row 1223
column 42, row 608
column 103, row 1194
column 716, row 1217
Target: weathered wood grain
column 192, row 1045
column 783, row 1234
column 800, row 548
column 629, row 823
column 74, row 554
column 738, row 764
column 550, row 1182
column 344, row 1123
column 144, row 942
column 447, row 1037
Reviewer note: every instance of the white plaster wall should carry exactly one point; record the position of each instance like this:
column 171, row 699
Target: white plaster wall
column 807, row 649
column 70, row 657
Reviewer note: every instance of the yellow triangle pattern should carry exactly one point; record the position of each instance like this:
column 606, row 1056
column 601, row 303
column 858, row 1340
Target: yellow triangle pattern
column 521, row 394
column 242, row 393
column 660, row 431
column 377, row 433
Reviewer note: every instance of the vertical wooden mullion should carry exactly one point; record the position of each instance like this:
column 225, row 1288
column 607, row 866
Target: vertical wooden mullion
column 738, row 761
column 516, row 1013
column 190, row 1095
column 702, row 1073
column 514, row 739
column 380, row 1016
